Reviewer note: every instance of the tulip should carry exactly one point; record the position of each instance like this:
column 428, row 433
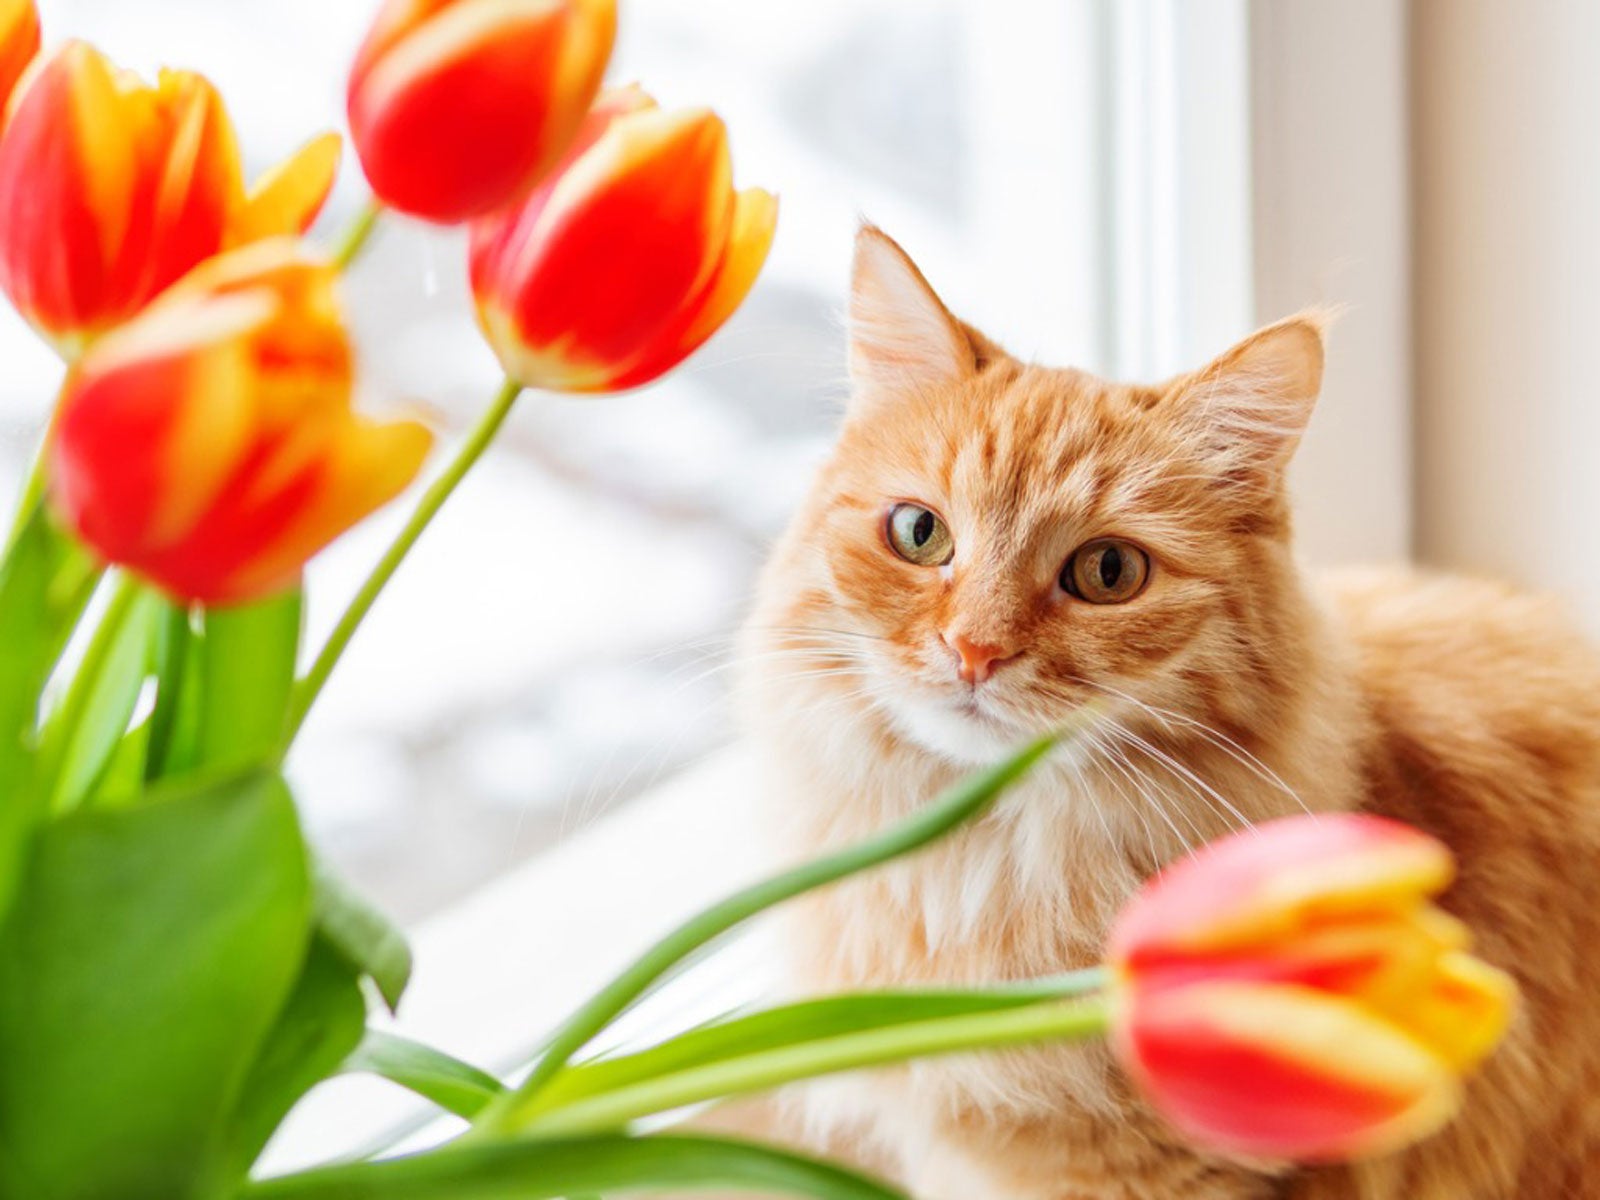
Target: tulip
column 1290, row 994
column 458, row 107
column 210, row 444
column 19, row 42
column 112, row 189
column 627, row 258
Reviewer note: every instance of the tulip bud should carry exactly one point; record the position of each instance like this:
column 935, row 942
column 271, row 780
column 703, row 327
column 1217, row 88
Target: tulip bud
column 210, row 444
column 458, row 107
column 627, row 258
column 1289, row 993
column 113, row 189
column 19, row 42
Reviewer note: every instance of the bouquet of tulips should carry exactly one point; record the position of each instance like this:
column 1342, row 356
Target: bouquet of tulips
column 177, row 970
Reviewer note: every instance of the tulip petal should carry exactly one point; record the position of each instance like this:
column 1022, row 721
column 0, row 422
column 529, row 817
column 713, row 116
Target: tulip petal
column 393, row 21
column 125, row 503
column 241, row 522
column 209, row 444
column 591, row 35
column 305, row 328
column 491, row 233
column 1383, row 957
column 112, row 189
column 518, row 76
column 197, row 189
column 105, row 133
column 1462, row 1012
column 632, row 228
column 1256, row 888
column 279, row 263
column 1283, row 1072
column 287, row 199
column 755, row 221
column 19, row 43
column 67, row 165
column 363, row 465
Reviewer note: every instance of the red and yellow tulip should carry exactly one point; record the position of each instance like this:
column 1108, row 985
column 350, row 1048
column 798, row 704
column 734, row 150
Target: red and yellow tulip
column 458, row 107
column 113, row 189
column 19, row 42
column 210, row 444
column 1290, row 993
column 627, row 258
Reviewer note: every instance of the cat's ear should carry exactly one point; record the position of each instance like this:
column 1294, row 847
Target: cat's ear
column 1252, row 404
column 902, row 337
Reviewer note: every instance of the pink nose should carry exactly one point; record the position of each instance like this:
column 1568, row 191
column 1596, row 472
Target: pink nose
column 978, row 661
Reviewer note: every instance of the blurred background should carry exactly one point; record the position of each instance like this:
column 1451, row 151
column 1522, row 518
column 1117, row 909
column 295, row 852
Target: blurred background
column 1126, row 186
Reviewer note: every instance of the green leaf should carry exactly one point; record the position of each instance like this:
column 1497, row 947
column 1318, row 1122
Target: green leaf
column 782, row 1063
column 247, row 662
column 453, row 1085
column 959, row 803
column 174, row 672
column 123, row 781
column 148, row 952
column 46, row 580
column 790, row 1026
column 368, row 940
column 546, row 1170
column 319, row 1027
column 182, row 683
column 81, row 736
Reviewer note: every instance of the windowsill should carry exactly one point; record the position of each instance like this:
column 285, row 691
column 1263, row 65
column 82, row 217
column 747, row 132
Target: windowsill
column 499, row 970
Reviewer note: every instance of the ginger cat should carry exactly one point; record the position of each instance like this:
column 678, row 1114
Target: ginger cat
column 993, row 543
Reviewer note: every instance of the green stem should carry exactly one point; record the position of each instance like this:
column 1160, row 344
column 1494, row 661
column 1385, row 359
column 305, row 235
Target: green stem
column 427, row 508
column 794, row 1025
column 353, row 237
column 62, row 729
column 177, row 641
column 453, row 1085
column 33, row 488
column 1074, row 1020
column 962, row 801
column 32, row 494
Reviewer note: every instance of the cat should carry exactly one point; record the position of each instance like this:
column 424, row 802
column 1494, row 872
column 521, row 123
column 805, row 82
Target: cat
column 992, row 544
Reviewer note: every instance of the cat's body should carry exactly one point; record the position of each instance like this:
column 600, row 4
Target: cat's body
column 1236, row 689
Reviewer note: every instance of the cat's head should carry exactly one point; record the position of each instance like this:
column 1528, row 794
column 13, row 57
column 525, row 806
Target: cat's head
column 992, row 543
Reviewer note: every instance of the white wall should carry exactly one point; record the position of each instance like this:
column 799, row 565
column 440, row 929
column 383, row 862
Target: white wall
column 1508, row 289
column 1331, row 216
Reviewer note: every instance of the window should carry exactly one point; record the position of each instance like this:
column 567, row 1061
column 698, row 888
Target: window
column 1074, row 175
column 561, row 642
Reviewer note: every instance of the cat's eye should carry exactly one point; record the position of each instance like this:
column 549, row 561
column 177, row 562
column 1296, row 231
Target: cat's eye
column 1106, row 571
column 919, row 535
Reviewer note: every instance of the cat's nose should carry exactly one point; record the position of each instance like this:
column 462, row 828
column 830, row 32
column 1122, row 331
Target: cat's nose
column 977, row 660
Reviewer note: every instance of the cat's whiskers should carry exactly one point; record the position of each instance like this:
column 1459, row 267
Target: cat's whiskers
column 1116, row 750
column 826, row 704
column 730, row 664
column 1111, row 745
column 814, row 674
column 1148, row 788
column 817, row 629
column 1167, row 717
column 1199, row 787
column 698, row 650
column 1191, row 779
column 1089, row 740
column 1114, row 760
